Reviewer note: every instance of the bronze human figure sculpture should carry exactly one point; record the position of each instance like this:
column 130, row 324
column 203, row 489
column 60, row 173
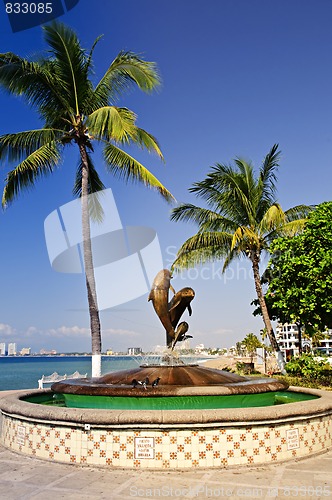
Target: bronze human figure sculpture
column 170, row 313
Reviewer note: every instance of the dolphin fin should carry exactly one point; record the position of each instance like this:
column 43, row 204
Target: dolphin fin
column 190, row 311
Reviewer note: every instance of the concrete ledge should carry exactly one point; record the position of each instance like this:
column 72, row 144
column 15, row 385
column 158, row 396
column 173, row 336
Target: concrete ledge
column 14, row 405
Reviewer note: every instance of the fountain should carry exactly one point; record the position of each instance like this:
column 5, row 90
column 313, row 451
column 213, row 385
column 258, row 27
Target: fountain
column 169, row 384
column 168, row 414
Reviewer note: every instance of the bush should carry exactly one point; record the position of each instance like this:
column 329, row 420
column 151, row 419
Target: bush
column 246, row 368
column 310, row 370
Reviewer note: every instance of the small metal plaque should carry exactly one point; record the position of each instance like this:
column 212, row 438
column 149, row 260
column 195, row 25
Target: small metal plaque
column 144, row 447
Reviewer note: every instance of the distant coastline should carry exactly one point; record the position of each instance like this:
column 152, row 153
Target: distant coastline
column 118, row 355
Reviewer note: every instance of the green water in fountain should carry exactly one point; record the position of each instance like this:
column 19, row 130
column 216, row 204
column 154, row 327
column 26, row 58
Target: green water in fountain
column 171, row 402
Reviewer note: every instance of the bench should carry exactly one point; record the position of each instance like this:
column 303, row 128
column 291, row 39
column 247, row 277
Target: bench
column 55, row 377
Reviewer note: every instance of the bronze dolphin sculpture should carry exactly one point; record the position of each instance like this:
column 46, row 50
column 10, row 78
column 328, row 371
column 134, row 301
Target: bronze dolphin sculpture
column 179, row 303
column 159, row 296
column 180, row 333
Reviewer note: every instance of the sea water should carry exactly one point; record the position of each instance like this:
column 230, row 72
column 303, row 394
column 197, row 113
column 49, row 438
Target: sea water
column 24, row 372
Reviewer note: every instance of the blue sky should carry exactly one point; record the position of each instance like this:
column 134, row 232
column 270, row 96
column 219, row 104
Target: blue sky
column 238, row 76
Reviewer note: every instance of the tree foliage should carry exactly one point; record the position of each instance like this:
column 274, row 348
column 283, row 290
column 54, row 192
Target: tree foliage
column 241, row 219
column 308, row 367
column 76, row 112
column 251, row 342
column 299, row 274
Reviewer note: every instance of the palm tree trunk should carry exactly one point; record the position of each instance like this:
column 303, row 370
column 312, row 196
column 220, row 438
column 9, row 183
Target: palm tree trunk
column 299, row 328
column 88, row 267
column 254, row 257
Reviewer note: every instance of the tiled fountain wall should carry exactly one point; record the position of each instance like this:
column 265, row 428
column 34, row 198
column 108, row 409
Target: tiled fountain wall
column 217, row 445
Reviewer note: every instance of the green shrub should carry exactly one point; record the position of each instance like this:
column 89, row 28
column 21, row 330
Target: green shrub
column 246, row 368
column 310, row 370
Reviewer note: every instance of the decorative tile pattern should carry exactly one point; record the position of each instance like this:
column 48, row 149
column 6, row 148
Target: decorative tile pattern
column 174, row 448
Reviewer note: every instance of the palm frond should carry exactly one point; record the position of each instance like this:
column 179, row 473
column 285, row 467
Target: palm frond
column 112, row 123
column 118, row 124
column 292, row 228
column 69, row 62
column 201, row 248
column 247, row 189
column 122, row 165
column 40, row 162
column 268, row 171
column 147, row 141
column 39, row 83
column 232, row 255
column 207, row 220
column 126, row 70
column 19, row 76
column 225, row 190
column 273, row 218
column 266, row 186
column 245, row 239
column 88, row 64
column 299, row 212
column 15, row 147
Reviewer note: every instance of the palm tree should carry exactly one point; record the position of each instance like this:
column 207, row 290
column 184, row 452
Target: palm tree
column 74, row 111
column 251, row 343
column 241, row 219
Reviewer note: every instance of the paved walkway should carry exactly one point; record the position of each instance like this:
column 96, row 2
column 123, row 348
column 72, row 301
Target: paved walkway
column 28, row 478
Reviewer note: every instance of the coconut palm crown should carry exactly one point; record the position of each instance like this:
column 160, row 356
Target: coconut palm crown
column 241, row 219
column 76, row 112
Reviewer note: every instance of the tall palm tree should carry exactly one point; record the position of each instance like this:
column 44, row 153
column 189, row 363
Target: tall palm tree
column 74, row 111
column 241, row 219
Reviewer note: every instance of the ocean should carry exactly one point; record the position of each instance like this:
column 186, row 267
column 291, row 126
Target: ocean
column 24, row 372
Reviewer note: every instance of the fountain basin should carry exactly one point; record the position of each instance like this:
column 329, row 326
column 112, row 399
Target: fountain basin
column 164, row 439
column 180, row 387
column 202, row 402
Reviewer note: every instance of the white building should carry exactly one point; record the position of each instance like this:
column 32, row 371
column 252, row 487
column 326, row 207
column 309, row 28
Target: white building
column 199, row 348
column 326, row 344
column 26, row 351
column 134, row 351
column 288, row 340
column 12, row 349
column 2, row 349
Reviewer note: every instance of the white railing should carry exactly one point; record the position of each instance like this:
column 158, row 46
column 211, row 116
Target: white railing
column 55, row 377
